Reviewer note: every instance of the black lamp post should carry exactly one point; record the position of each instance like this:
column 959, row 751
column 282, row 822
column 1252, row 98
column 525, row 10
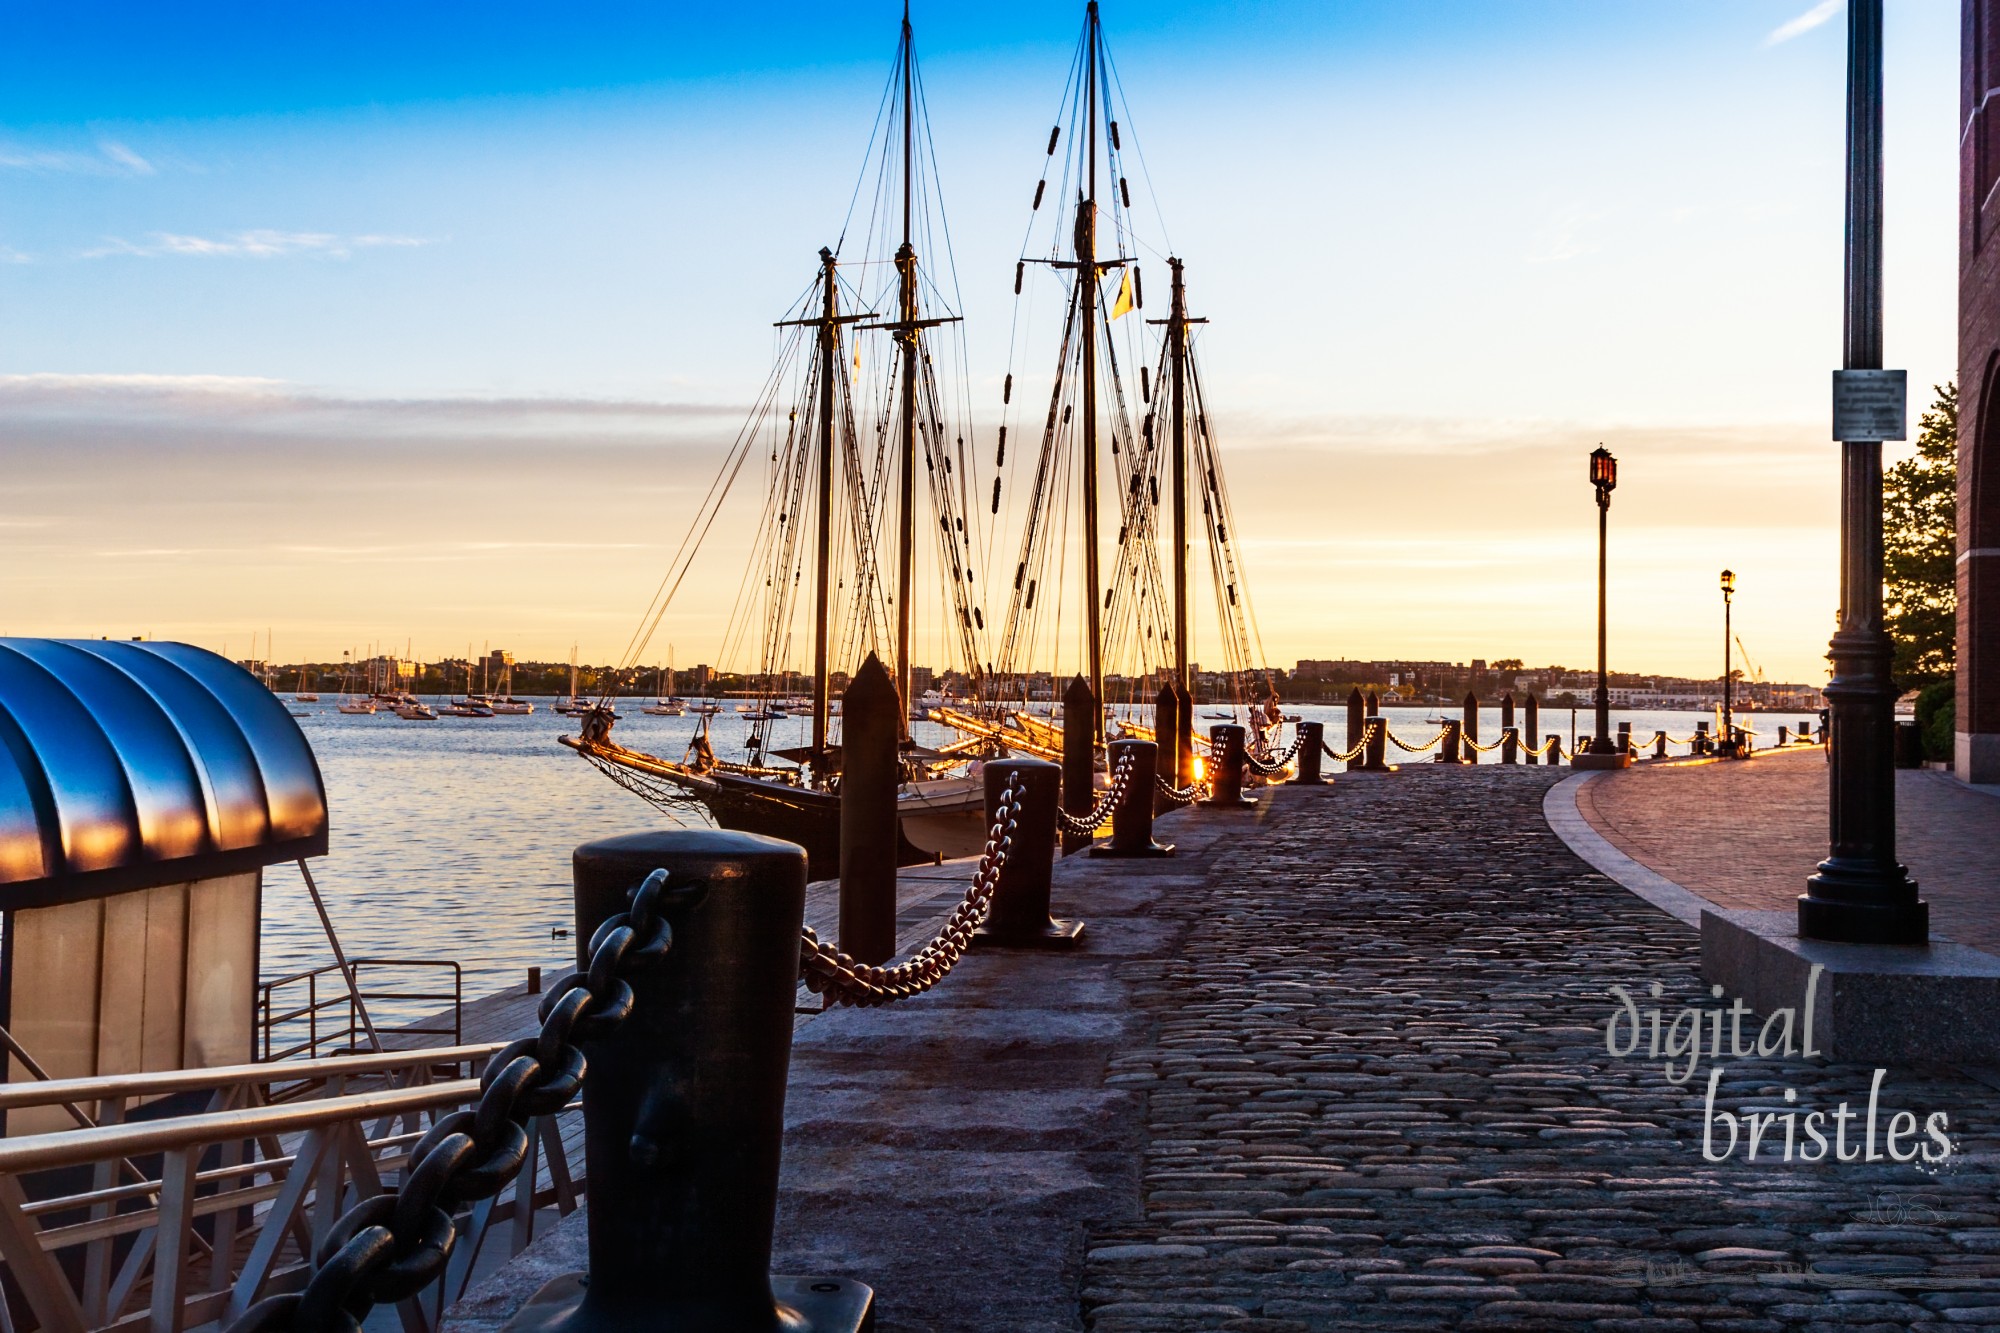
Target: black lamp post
column 1727, row 746
column 1603, row 752
column 1861, row 894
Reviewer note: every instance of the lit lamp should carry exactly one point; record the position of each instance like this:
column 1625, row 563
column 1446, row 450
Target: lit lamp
column 1727, row 745
column 1602, row 752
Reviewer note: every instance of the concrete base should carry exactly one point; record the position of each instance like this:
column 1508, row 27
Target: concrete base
column 1874, row 1003
column 1587, row 760
column 1152, row 849
column 1976, row 757
column 1056, row 935
column 801, row 1305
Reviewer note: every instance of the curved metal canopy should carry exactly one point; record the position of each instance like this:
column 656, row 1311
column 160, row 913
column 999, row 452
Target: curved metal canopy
column 124, row 765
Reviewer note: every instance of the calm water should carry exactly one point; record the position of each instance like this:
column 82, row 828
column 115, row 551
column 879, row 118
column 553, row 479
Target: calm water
column 451, row 839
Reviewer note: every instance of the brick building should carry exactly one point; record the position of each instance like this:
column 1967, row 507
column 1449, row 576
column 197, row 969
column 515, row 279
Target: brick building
column 1978, row 724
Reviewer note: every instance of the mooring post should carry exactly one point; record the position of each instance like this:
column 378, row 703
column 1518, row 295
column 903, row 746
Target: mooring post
column 1166, row 735
column 870, row 774
column 1312, row 742
column 1378, row 743
column 1531, row 723
column 1659, row 745
column 1225, row 767
column 1624, row 738
column 1555, row 744
column 1019, row 917
column 684, row 1102
column 1510, row 740
column 1184, row 739
column 1357, row 727
column 1132, row 818
column 1079, row 760
column 1700, row 744
column 1448, row 747
column 1471, row 727
column 1784, row 737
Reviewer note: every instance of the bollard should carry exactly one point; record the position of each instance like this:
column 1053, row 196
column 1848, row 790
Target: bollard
column 1019, row 918
column 1132, row 818
column 1166, row 732
column 1378, row 744
column 1184, row 741
column 1625, row 738
column 1470, row 728
column 1784, row 737
column 1659, row 745
column 1555, row 744
column 1805, row 730
column 870, row 774
column 1531, row 723
column 1312, row 742
column 1510, row 739
column 1225, row 767
column 684, row 1104
column 1079, row 762
column 1448, row 748
column 534, row 981
column 1700, row 743
column 1357, row 727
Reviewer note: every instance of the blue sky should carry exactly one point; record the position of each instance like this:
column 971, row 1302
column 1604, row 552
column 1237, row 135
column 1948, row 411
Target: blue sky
column 1444, row 245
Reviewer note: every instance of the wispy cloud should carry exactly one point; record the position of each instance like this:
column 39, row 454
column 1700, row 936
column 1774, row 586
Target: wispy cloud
column 111, row 159
column 9, row 255
column 260, row 243
column 1804, row 23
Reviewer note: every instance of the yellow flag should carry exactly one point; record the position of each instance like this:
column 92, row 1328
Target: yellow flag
column 1123, row 305
column 857, row 356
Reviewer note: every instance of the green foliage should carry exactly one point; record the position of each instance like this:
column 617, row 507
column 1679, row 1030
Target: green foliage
column 1937, row 712
column 1920, row 536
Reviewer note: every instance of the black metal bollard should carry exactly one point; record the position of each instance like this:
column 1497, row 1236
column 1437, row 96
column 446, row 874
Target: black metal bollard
column 1555, row 744
column 1510, row 739
column 1225, row 767
column 1470, row 729
column 1625, row 738
column 1805, row 730
column 1701, row 739
column 1184, row 742
column 1166, row 735
column 1357, row 727
column 1378, row 744
column 1019, row 918
column 1659, row 745
column 1531, row 723
column 1132, row 818
column 870, row 774
column 1448, row 748
column 1079, row 760
column 1784, row 737
column 684, row 1104
column 1312, row 742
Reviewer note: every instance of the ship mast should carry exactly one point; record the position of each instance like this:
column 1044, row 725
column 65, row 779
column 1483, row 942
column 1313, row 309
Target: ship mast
column 1086, row 275
column 829, row 360
column 1177, row 355
column 906, row 269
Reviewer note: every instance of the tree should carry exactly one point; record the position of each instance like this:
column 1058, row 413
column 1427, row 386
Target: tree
column 1920, row 546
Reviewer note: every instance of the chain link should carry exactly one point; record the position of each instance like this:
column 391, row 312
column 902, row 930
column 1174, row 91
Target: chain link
column 1277, row 763
column 1360, row 746
column 1430, row 744
column 1188, row 795
column 393, row 1245
column 1107, row 804
column 843, row 980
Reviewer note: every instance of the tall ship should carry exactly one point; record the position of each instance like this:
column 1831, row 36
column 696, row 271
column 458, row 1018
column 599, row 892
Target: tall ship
column 863, row 439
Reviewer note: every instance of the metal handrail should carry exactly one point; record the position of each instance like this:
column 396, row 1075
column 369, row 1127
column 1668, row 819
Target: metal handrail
column 345, row 1034
column 105, row 1087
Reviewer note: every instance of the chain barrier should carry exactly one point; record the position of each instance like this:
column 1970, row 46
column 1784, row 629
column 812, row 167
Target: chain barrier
column 1276, row 762
column 838, row 976
column 1360, row 746
column 1477, row 748
column 1188, row 795
column 1430, row 744
column 392, row 1246
column 1540, row 750
column 1106, row 806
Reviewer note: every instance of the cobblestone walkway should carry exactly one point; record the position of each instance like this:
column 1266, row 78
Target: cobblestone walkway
column 1378, row 1096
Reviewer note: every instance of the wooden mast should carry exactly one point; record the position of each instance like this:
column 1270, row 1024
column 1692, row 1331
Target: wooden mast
column 829, row 360
column 1177, row 354
column 906, row 268
column 1086, row 276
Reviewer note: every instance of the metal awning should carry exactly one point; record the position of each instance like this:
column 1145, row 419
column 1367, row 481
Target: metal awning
column 125, row 765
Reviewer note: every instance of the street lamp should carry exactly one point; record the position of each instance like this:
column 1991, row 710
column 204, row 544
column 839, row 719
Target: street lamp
column 1727, row 747
column 1603, row 752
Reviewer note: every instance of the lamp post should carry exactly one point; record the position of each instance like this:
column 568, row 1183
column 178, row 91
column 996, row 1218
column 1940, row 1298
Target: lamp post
column 1861, row 894
column 1604, row 752
column 1727, row 746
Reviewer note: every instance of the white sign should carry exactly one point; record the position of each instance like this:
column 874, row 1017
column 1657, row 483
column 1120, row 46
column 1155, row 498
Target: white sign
column 1871, row 404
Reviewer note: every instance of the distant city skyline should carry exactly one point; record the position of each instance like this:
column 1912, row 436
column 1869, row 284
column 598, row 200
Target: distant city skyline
column 441, row 337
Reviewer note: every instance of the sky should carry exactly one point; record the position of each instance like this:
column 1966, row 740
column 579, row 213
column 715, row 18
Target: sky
column 386, row 324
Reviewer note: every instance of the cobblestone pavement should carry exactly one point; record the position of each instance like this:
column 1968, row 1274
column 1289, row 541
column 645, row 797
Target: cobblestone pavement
column 1378, row 1096
column 1687, row 822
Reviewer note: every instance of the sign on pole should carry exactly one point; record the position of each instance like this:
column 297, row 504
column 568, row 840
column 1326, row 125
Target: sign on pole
column 1870, row 405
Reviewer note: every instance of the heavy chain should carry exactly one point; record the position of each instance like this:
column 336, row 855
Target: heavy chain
column 1277, row 762
column 1477, row 748
column 1430, row 744
column 1360, row 746
column 1107, row 804
column 1539, row 750
column 843, row 980
column 1188, row 795
column 392, row 1246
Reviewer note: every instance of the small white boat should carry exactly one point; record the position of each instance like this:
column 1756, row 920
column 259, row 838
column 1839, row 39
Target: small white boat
column 416, row 712
column 358, row 706
column 666, row 708
column 305, row 698
column 512, row 707
column 463, row 709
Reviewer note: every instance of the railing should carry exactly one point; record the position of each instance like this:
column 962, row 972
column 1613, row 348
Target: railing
column 174, row 1222
column 328, row 1021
